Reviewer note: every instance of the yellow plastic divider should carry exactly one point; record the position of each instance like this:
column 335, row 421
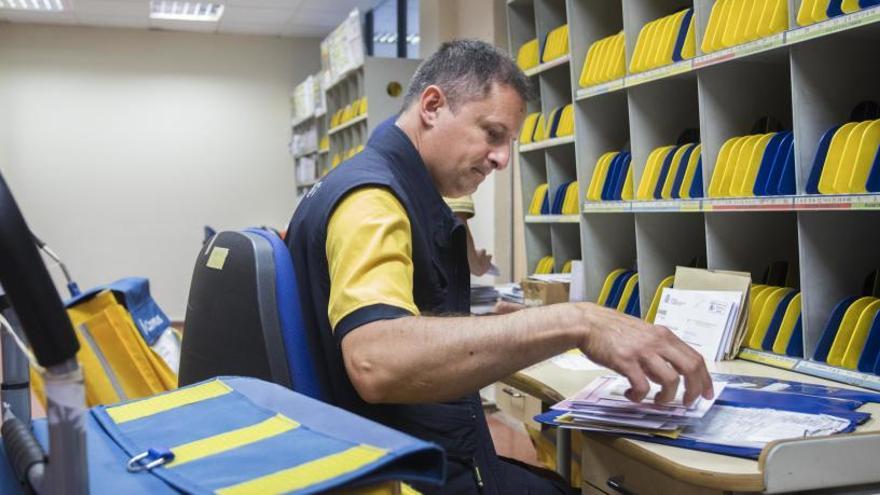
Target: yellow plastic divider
column 867, row 151
column 848, row 158
column 609, row 283
column 557, row 44
column 690, row 172
column 732, row 22
column 566, row 121
column 743, row 183
column 528, row 128
column 655, row 302
column 537, row 199
column 860, row 335
column 666, row 192
column 786, row 328
column 757, row 296
column 628, row 293
column 528, row 55
column 545, row 265
column 566, row 267
column 846, row 329
column 834, row 158
column 600, row 174
column 652, row 172
column 540, row 129
column 762, row 324
column 571, row 202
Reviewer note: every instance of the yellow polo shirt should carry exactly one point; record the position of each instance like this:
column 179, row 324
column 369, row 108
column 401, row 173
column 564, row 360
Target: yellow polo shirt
column 369, row 253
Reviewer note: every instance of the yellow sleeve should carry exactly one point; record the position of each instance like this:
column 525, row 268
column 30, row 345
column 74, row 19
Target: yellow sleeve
column 464, row 204
column 369, row 253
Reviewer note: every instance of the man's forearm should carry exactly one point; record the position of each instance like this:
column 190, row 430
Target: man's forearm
column 430, row 359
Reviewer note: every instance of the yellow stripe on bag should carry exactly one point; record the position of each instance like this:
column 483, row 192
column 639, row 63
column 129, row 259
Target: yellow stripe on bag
column 310, row 473
column 229, row 440
column 166, row 402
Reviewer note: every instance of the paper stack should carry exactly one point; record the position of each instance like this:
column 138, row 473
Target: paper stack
column 483, row 294
column 511, row 293
column 704, row 319
column 695, row 279
column 602, row 406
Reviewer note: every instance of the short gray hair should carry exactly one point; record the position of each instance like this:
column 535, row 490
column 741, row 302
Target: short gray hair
column 466, row 70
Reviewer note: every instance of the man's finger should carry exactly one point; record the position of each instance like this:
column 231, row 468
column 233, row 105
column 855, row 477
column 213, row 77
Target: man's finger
column 639, row 386
column 661, row 373
column 690, row 364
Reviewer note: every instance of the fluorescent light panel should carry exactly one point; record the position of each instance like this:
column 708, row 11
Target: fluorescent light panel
column 33, row 5
column 177, row 10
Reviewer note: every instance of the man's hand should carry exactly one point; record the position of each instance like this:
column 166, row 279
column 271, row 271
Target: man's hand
column 479, row 262
column 641, row 351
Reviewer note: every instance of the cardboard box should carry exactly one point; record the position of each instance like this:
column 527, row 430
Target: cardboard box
column 542, row 293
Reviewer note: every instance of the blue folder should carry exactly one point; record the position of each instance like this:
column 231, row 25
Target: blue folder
column 873, row 184
column 697, row 184
column 679, row 173
column 620, row 179
column 834, row 9
column 872, row 348
column 795, row 346
column 664, row 172
column 831, row 328
column 559, row 198
column 682, row 35
column 611, row 176
column 819, row 160
column 787, row 183
column 768, row 161
column 776, row 321
column 545, row 204
column 617, row 289
column 810, row 402
column 633, row 308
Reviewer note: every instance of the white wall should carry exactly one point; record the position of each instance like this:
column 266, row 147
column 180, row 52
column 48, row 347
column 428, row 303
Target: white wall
column 121, row 144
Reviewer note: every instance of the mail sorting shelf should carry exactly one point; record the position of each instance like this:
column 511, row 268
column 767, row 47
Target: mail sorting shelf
column 800, row 80
column 368, row 94
column 546, row 154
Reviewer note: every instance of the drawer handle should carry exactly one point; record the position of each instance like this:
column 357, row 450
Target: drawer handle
column 616, row 484
column 513, row 393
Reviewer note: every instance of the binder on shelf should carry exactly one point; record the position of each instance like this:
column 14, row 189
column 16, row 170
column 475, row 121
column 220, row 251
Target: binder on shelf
column 565, row 127
column 556, row 45
column 733, row 22
column 528, row 55
column 612, row 177
column 324, row 145
column 600, row 175
column 605, row 61
column 527, row 135
column 655, row 302
column 539, row 198
column 664, row 41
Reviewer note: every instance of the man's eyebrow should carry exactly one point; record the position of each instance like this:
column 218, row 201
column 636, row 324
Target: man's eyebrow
column 496, row 126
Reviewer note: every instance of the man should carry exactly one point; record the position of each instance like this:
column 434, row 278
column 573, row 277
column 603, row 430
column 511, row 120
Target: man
column 381, row 268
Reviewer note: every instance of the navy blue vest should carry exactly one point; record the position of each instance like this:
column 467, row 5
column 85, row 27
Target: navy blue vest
column 441, row 286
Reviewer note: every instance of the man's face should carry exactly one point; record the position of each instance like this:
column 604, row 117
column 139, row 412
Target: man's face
column 468, row 144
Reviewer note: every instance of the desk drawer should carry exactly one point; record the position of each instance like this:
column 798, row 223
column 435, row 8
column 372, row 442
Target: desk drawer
column 601, row 463
column 518, row 404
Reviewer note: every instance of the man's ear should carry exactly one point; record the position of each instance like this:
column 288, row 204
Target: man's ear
column 431, row 102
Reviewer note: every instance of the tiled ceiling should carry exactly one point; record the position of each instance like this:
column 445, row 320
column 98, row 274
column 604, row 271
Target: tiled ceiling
column 307, row 18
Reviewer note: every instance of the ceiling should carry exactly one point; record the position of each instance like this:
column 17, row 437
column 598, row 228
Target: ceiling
column 306, row 18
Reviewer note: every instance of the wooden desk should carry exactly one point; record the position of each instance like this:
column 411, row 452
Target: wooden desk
column 700, row 472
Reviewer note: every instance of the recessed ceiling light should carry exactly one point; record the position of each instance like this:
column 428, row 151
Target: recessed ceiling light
column 33, row 5
column 178, row 10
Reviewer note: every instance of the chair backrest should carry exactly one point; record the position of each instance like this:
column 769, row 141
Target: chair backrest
column 243, row 315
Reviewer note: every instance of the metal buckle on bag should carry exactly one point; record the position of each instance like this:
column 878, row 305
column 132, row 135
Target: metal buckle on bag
column 146, row 461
